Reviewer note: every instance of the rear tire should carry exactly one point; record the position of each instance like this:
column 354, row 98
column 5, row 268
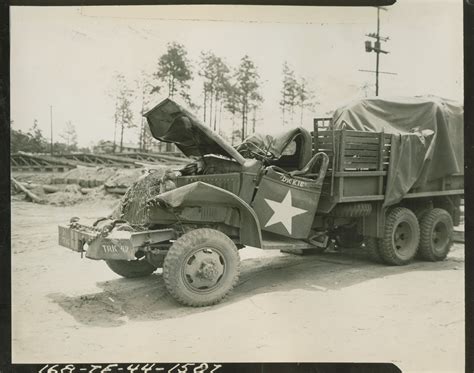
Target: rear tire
column 436, row 231
column 132, row 268
column 372, row 249
column 201, row 267
column 401, row 237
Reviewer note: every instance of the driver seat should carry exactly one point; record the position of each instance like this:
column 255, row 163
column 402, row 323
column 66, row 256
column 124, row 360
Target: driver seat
column 304, row 143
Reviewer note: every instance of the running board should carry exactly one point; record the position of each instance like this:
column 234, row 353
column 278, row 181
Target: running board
column 277, row 242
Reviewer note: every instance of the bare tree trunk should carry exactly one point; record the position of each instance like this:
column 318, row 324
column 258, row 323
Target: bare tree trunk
column 171, row 87
column 143, row 129
column 144, row 134
column 301, row 115
column 254, row 119
column 115, row 134
column 215, row 111
column 233, row 128
column 220, row 116
column 210, row 109
column 121, row 137
column 242, row 135
column 205, row 102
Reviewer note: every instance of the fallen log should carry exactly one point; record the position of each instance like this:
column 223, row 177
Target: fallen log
column 46, row 188
column 31, row 195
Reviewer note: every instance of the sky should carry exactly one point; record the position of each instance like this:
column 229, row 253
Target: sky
column 66, row 57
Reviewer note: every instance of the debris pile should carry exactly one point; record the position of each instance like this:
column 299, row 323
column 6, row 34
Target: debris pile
column 88, row 177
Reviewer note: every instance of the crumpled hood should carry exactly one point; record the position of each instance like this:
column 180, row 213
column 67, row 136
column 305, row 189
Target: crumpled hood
column 170, row 122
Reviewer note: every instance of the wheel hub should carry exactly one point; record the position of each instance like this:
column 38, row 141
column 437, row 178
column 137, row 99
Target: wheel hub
column 203, row 269
column 402, row 237
column 208, row 270
column 439, row 236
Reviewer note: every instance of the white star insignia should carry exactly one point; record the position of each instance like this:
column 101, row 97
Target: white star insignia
column 283, row 212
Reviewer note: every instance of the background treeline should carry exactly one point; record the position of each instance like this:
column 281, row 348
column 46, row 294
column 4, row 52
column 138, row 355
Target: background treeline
column 33, row 140
column 229, row 104
column 228, row 92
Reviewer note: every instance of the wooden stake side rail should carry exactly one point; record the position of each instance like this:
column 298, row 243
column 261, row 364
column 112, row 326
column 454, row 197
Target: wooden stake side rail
column 358, row 168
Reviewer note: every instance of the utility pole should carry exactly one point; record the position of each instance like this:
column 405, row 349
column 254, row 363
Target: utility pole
column 377, row 49
column 51, row 117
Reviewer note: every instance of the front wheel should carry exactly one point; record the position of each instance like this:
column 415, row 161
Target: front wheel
column 201, row 267
column 132, row 268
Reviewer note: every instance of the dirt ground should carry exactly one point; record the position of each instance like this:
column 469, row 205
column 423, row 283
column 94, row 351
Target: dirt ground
column 328, row 307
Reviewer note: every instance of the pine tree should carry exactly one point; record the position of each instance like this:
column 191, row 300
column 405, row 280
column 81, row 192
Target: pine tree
column 123, row 115
column 247, row 79
column 289, row 94
column 174, row 70
column 215, row 74
column 69, row 135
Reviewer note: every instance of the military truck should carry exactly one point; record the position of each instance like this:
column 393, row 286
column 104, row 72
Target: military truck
column 385, row 176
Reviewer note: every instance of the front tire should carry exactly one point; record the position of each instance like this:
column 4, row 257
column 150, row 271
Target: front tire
column 132, row 268
column 436, row 229
column 201, row 267
column 401, row 237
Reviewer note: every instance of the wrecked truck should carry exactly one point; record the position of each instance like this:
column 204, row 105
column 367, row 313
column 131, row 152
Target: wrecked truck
column 385, row 176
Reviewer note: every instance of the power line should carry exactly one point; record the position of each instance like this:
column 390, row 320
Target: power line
column 380, row 72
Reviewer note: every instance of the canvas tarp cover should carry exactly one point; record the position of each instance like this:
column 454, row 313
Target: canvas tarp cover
column 428, row 141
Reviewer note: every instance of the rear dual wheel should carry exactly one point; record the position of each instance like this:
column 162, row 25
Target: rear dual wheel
column 401, row 237
column 436, row 228
column 404, row 237
column 372, row 249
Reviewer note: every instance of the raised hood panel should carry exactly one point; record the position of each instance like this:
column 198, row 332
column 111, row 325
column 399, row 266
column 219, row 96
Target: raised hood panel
column 170, row 122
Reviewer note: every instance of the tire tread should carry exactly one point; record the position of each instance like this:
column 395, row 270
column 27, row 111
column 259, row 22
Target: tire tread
column 426, row 225
column 387, row 252
column 172, row 261
column 372, row 247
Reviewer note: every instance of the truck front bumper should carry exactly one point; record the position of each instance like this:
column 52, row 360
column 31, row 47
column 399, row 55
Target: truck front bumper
column 116, row 245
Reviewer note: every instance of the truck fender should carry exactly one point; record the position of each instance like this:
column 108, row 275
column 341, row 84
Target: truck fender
column 200, row 193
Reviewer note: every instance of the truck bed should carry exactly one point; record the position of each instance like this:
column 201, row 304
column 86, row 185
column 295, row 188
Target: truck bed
column 359, row 165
